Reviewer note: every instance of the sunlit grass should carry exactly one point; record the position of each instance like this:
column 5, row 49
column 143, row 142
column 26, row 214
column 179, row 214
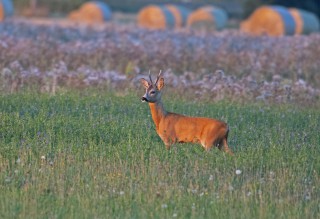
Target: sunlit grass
column 94, row 155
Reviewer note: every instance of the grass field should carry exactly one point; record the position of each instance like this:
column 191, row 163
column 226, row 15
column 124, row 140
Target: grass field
column 96, row 155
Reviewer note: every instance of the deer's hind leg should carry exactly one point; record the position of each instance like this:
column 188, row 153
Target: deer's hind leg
column 211, row 143
column 223, row 144
column 220, row 142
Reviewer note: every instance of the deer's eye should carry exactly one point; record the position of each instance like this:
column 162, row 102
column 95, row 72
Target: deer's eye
column 152, row 92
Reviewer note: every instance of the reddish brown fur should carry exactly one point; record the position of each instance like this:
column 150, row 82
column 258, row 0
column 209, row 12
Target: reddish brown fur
column 173, row 128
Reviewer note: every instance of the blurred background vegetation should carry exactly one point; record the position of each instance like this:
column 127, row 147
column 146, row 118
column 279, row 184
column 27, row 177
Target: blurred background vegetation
column 235, row 8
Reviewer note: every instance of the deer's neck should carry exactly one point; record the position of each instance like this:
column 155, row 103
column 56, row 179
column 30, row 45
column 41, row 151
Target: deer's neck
column 157, row 113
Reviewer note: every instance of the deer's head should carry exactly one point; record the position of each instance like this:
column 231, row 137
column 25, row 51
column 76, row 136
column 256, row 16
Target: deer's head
column 153, row 90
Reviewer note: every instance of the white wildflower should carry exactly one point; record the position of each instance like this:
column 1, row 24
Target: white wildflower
column 164, row 206
column 307, row 197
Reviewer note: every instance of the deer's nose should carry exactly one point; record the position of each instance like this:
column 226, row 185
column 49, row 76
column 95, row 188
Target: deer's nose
column 144, row 99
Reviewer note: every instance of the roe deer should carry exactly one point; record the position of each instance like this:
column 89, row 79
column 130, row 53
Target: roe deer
column 172, row 127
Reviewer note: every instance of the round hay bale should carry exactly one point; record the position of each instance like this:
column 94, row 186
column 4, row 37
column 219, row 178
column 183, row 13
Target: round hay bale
column 180, row 14
column 6, row 9
column 270, row 20
column 156, row 17
column 306, row 22
column 92, row 12
column 208, row 17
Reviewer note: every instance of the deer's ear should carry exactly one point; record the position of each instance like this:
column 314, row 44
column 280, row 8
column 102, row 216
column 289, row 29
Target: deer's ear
column 144, row 82
column 160, row 84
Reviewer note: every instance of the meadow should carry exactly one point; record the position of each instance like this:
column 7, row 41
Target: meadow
column 76, row 141
column 97, row 155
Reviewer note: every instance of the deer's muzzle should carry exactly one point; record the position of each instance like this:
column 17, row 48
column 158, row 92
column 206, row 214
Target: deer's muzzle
column 144, row 99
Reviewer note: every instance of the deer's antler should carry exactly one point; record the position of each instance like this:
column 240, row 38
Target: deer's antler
column 150, row 77
column 158, row 77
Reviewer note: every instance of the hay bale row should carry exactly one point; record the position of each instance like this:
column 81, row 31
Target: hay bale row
column 6, row 9
column 163, row 16
column 208, row 18
column 91, row 12
column 279, row 21
column 174, row 16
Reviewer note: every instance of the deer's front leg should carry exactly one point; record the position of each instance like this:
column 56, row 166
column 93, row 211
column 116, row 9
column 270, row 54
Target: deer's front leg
column 167, row 142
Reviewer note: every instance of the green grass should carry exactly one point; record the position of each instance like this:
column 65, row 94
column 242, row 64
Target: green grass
column 94, row 155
